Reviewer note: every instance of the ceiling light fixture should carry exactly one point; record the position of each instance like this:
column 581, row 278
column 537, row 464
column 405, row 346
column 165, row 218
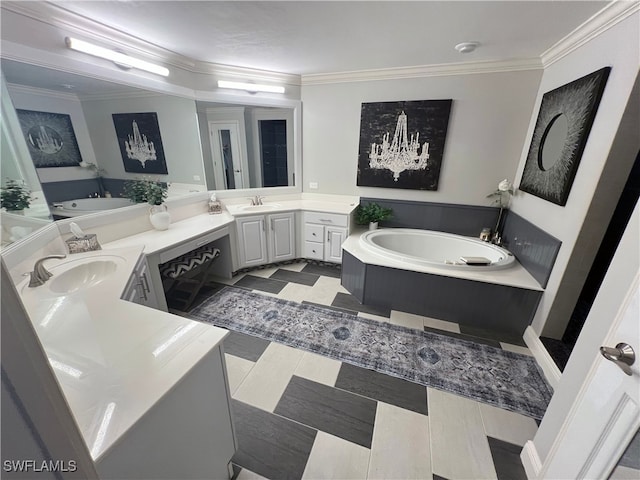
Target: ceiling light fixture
column 466, row 47
column 251, row 87
column 118, row 58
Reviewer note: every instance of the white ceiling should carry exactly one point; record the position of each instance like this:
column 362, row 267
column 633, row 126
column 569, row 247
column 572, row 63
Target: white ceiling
column 307, row 37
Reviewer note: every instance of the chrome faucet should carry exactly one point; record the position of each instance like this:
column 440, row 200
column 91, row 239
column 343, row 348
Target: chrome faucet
column 257, row 200
column 40, row 274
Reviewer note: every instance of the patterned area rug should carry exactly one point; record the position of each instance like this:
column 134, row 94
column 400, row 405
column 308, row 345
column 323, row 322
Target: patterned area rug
column 504, row 379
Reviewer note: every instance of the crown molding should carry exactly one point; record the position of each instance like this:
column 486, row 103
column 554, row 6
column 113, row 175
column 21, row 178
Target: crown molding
column 599, row 23
column 439, row 70
column 25, row 90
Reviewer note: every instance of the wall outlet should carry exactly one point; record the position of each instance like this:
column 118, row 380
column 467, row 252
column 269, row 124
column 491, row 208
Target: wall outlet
column 196, row 178
column 313, row 185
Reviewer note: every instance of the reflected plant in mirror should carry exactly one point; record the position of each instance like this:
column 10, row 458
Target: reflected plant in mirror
column 15, row 196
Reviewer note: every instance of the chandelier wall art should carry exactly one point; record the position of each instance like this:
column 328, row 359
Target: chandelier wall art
column 140, row 142
column 402, row 143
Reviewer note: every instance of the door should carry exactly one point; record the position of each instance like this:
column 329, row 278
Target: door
column 333, row 244
column 252, row 248
column 605, row 414
column 282, row 238
column 227, row 155
column 273, row 153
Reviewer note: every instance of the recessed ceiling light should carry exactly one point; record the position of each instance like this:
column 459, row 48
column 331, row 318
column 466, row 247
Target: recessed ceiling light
column 466, row 47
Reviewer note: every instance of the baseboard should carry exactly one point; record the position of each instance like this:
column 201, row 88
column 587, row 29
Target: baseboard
column 551, row 371
column 530, row 460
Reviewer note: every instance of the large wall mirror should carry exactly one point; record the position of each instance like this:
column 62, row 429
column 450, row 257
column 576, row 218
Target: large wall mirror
column 211, row 144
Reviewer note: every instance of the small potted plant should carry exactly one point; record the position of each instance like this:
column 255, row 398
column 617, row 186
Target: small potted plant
column 371, row 214
column 15, row 197
column 154, row 193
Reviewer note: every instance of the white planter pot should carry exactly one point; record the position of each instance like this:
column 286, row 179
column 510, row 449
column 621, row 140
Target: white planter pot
column 373, row 225
column 159, row 217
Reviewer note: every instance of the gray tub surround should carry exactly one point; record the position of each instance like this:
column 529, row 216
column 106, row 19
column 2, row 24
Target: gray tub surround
column 534, row 248
column 501, row 300
column 127, row 370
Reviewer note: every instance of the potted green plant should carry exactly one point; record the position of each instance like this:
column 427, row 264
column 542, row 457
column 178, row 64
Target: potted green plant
column 371, row 214
column 15, row 196
column 154, row 193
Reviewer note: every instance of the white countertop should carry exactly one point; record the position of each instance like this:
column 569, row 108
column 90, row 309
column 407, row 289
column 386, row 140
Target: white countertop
column 516, row 276
column 178, row 232
column 311, row 205
column 113, row 359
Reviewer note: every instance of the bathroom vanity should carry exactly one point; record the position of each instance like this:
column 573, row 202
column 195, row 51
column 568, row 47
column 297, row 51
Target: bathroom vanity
column 148, row 389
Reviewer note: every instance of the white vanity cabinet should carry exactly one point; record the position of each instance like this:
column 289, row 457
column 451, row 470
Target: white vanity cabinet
column 139, row 287
column 266, row 239
column 324, row 234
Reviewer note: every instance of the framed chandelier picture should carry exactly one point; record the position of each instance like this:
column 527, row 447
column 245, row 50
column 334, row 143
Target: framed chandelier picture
column 50, row 138
column 140, row 142
column 402, row 143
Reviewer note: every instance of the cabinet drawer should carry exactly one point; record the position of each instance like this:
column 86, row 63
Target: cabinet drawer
column 188, row 246
column 314, row 250
column 333, row 219
column 313, row 233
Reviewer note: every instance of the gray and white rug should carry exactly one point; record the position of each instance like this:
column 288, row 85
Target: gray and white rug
column 504, row 379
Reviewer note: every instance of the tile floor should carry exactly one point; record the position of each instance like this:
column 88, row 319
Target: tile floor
column 301, row 415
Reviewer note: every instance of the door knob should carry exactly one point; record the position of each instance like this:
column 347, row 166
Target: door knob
column 622, row 355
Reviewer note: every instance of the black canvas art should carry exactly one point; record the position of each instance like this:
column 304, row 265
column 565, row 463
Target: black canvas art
column 140, row 142
column 560, row 135
column 402, row 143
column 50, row 138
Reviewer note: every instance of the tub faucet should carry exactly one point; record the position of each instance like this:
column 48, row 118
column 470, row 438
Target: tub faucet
column 40, row 274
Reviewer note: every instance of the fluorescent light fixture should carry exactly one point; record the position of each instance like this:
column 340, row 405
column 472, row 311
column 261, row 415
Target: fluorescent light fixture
column 251, row 87
column 116, row 57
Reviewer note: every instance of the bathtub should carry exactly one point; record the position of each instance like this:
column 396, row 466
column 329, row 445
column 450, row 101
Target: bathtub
column 434, row 249
column 83, row 206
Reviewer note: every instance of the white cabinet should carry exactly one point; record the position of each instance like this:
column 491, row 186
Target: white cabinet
column 139, row 287
column 324, row 234
column 266, row 239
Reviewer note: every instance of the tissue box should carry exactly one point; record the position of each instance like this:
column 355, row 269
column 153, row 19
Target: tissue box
column 81, row 245
column 215, row 207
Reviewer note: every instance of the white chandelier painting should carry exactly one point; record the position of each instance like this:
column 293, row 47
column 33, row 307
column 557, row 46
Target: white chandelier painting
column 412, row 157
column 138, row 147
column 401, row 154
column 140, row 142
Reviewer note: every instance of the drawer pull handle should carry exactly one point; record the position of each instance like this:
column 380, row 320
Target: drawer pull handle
column 145, row 281
column 326, row 220
column 143, row 294
column 199, row 244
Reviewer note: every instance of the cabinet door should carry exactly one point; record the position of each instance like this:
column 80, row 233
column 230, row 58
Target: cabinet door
column 147, row 293
column 333, row 244
column 282, row 237
column 252, row 245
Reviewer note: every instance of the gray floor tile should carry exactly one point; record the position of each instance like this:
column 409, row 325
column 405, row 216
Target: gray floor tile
column 384, row 388
column 344, row 300
column 463, row 336
column 506, row 459
column 329, row 409
column 258, row 283
column 269, row 445
column 322, row 270
column 492, row 335
column 302, row 278
column 245, row 346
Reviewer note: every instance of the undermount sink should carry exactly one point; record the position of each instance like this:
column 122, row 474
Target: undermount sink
column 82, row 276
column 260, row 208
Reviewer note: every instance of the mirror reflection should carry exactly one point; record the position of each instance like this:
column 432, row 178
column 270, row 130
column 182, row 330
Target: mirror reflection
column 552, row 142
column 206, row 145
